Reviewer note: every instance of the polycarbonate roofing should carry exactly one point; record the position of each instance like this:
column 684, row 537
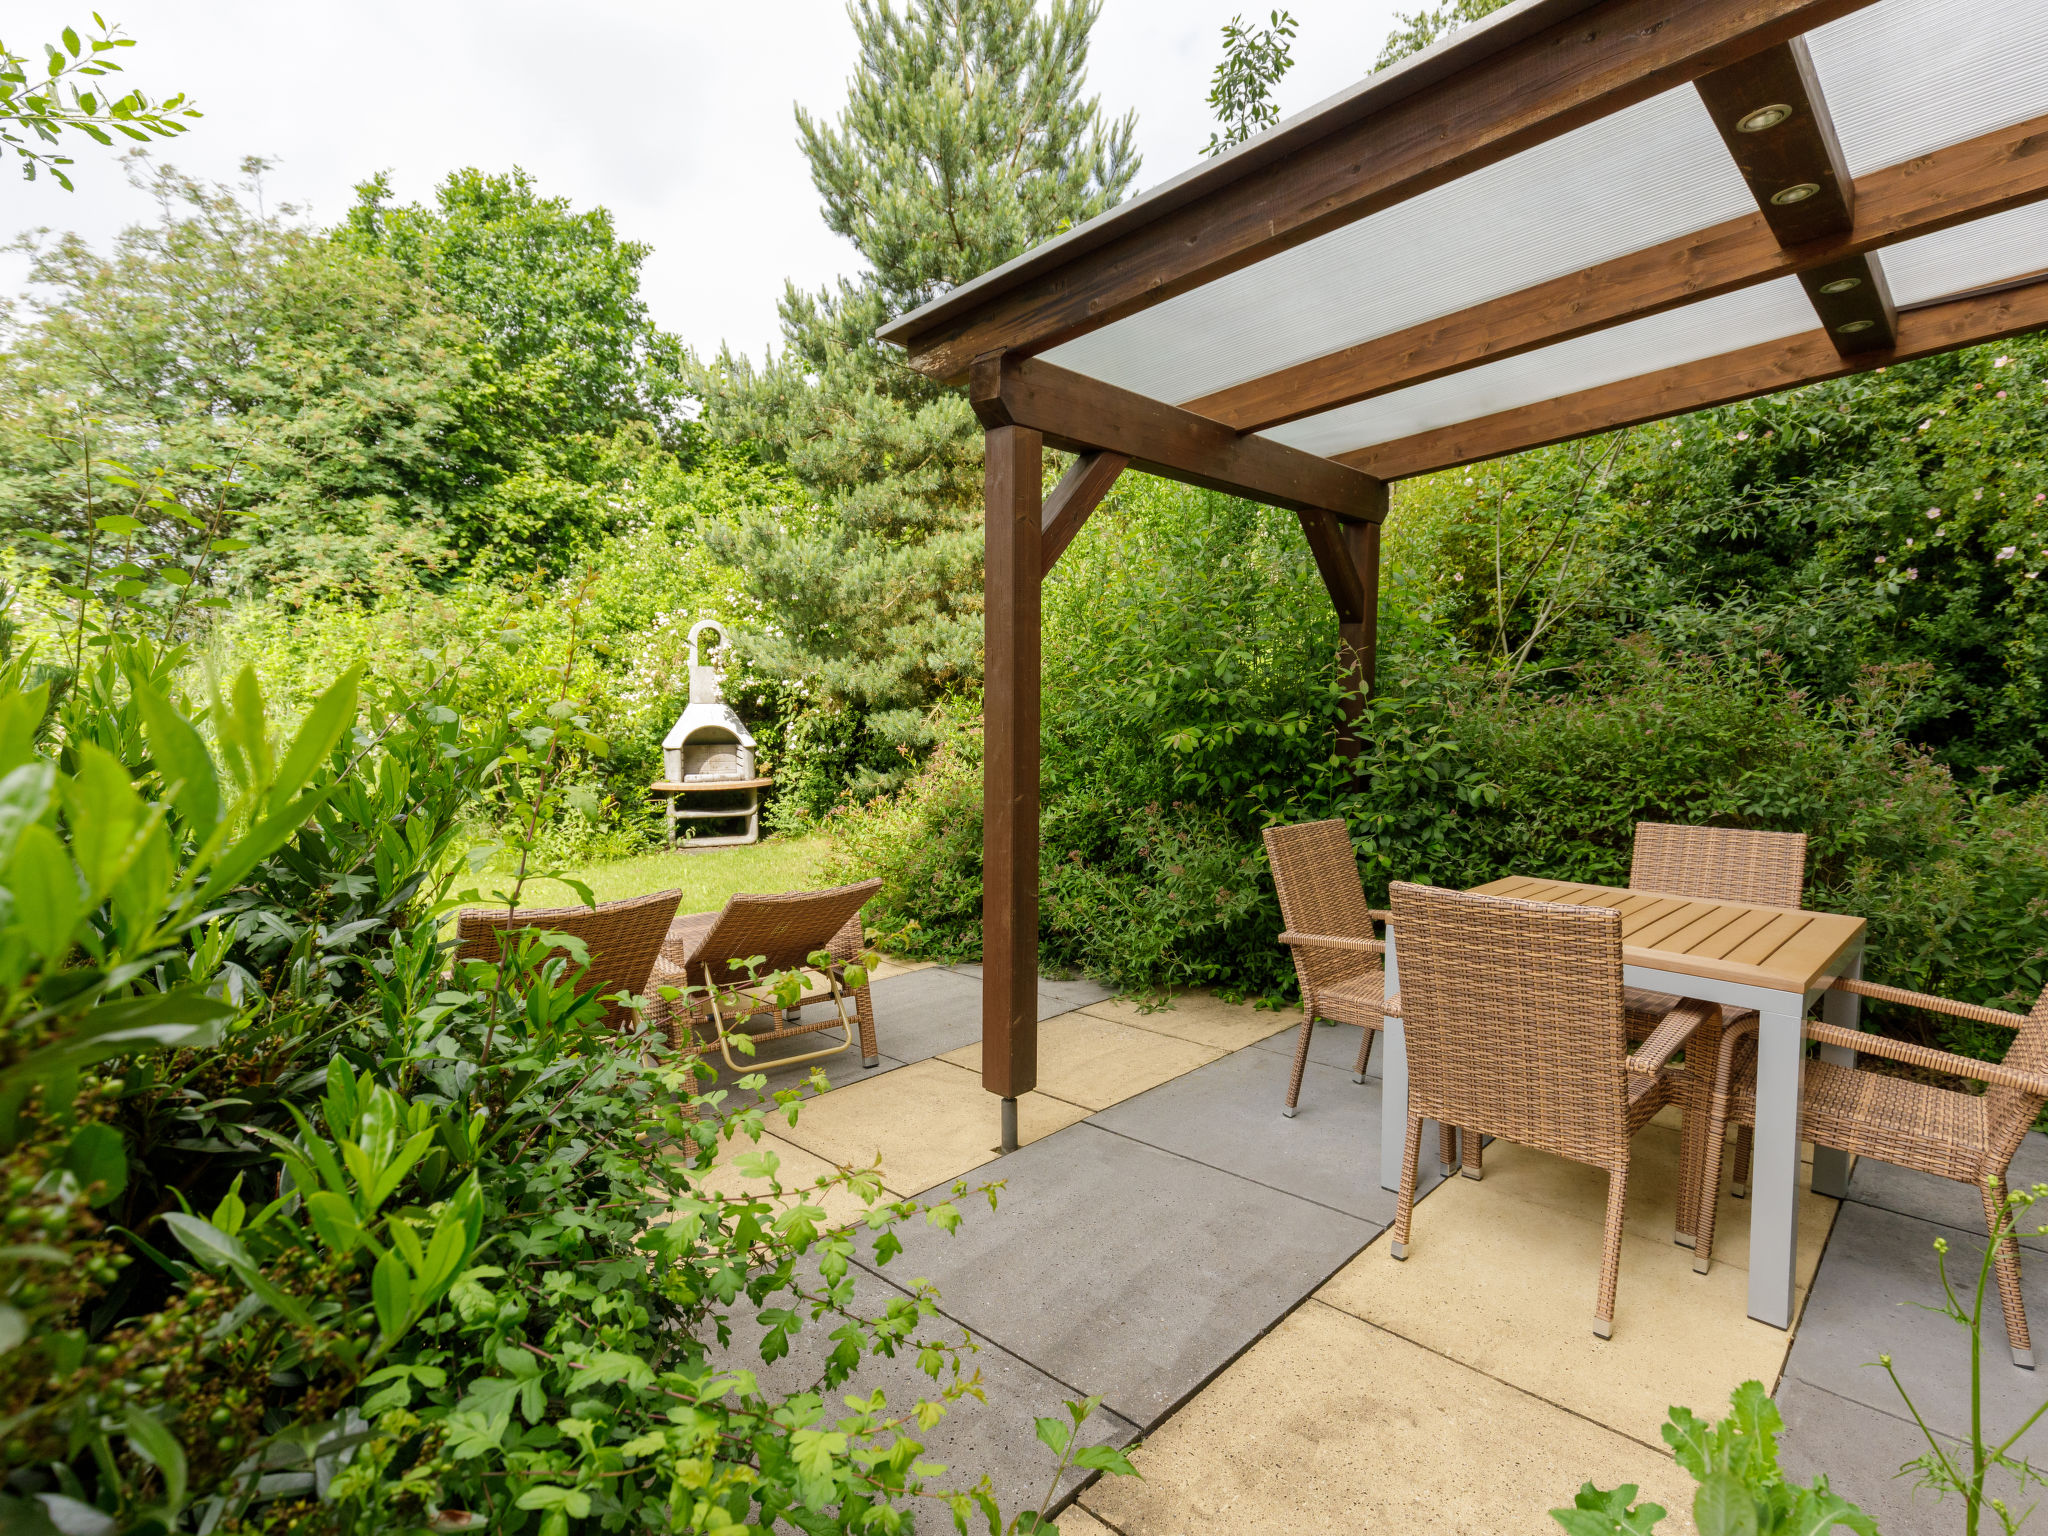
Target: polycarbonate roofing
column 1900, row 79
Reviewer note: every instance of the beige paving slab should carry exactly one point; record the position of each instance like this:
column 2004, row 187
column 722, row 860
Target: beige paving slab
column 929, row 1122
column 885, row 967
column 1329, row 1424
column 1506, row 1285
column 1559, row 1184
column 1201, row 1017
column 1098, row 1062
column 1076, row 1521
column 797, row 1170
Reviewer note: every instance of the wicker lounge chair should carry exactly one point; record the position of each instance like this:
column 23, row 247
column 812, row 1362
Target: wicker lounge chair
column 1951, row 1134
column 1513, row 1016
column 623, row 938
column 1714, row 864
column 1329, row 928
column 785, row 930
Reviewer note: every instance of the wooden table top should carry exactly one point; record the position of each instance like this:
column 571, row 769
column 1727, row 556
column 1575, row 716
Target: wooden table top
column 1781, row 948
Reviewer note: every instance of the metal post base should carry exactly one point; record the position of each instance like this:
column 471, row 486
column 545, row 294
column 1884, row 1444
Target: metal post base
column 1009, row 1125
column 871, row 1062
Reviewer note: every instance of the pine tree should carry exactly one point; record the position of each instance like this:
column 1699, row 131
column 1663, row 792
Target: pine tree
column 965, row 139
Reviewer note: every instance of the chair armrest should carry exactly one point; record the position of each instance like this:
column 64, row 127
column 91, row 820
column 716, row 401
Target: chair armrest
column 1995, row 1073
column 1378, row 916
column 1654, row 1053
column 1332, row 941
column 1925, row 1000
column 1391, row 1008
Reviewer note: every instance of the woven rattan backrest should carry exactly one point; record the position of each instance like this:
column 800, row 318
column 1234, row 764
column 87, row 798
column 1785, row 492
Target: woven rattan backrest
column 623, row 937
column 1316, row 875
column 1513, row 1017
column 2009, row 1113
column 784, row 929
column 1767, row 869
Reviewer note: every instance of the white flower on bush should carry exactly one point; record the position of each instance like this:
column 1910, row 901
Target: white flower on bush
column 2007, row 553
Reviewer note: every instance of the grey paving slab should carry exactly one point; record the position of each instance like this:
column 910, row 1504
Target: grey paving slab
column 1055, row 997
column 1872, row 1295
column 1127, row 1271
column 926, row 1013
column 1860, row 1452
column 1333, row 1045
column 1227, row 1114
column 974, row 1437
column 1946, row 1201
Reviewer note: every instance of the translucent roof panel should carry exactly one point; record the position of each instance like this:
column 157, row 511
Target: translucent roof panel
column 1650, row 173
column 1975, row 255
column 1713, row 326
column 1903, row 77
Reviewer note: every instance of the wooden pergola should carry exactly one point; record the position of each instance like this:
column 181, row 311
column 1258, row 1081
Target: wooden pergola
column 1575, row 216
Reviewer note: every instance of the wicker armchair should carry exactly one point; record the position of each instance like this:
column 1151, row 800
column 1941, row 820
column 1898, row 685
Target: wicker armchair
column 622, row 937
column 1513, row 1017
column 1339, row 963
column 697, row 959
column 1713, row 864
column 1951, row 1134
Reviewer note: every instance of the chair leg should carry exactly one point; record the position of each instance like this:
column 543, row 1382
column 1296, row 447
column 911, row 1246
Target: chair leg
column 1745, row 1144
column 1447, row 1147
column 1710, row 1189
column 1364, row 1055
column 1610, row 1259
column 1701, row 1052
column 1404, row 1205
column 2007, row 1265
column 1308, row 1024
column 864, row 1009
column 1473, row 1146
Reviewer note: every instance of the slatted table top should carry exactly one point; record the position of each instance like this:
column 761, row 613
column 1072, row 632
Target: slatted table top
column 1781, row 948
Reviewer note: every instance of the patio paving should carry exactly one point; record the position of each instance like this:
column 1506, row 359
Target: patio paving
column 1165, row 1239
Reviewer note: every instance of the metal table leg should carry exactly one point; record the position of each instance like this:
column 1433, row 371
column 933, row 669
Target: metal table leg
column 1774, row 1186
column 1831, row 1167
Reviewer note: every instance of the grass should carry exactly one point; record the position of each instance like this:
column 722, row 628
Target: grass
column 705, row 879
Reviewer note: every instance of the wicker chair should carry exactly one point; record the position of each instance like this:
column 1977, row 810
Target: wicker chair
column 622, row 937
column 1329, row 927
column 1951, row 1134
column 1513, row 1017
column 697, row 959
column 1716, row 864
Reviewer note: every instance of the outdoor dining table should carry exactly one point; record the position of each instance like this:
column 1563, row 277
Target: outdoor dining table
column 1775, row 960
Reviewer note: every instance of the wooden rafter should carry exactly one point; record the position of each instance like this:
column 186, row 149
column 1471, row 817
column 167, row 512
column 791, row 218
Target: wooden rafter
column 1759, row 370
column 1080, row 491
column 1080, row 414
column 1337, row 168
column 1771, row 114
column 1972, row 180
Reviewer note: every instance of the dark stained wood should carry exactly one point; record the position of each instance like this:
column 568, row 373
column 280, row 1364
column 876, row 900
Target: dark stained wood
column 1759, row 370
column 1854, row 303
column 1078, row 414
column 1325, row 535
column 1358, row 643
column 1952, row 186
column 1078, row 494
column 1786, row 158
column 1610, row 55
column 1009, row 838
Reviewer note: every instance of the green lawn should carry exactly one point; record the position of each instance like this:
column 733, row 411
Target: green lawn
column 705, row 879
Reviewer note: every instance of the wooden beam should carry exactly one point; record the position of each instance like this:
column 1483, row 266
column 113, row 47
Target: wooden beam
column 1771, row 114
column 1347, row 557
column 1760, row 370
column 1982, row 176
column 1080, row 414
column 1609, row 55
column 1009, row 839
column 1078, row 494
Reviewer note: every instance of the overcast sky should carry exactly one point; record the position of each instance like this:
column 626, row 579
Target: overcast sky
column 677, row 116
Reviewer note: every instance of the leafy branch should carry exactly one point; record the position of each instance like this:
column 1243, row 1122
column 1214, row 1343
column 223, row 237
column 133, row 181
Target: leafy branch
column 43, row 100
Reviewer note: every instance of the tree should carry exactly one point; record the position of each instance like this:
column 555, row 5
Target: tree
column 218, row 336
column 1415, row 31
column 1241, row 89
column 46, row 101
column 965, row 139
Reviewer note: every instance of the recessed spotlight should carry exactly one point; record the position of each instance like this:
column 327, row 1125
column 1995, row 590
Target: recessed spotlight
column 1764, row 117
column 1795, row 194
column 1851, row 327
column 1841, row 285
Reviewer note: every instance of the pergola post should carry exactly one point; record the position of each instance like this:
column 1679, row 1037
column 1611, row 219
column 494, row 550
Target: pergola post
column 1009, row 837
column 1358, row 642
